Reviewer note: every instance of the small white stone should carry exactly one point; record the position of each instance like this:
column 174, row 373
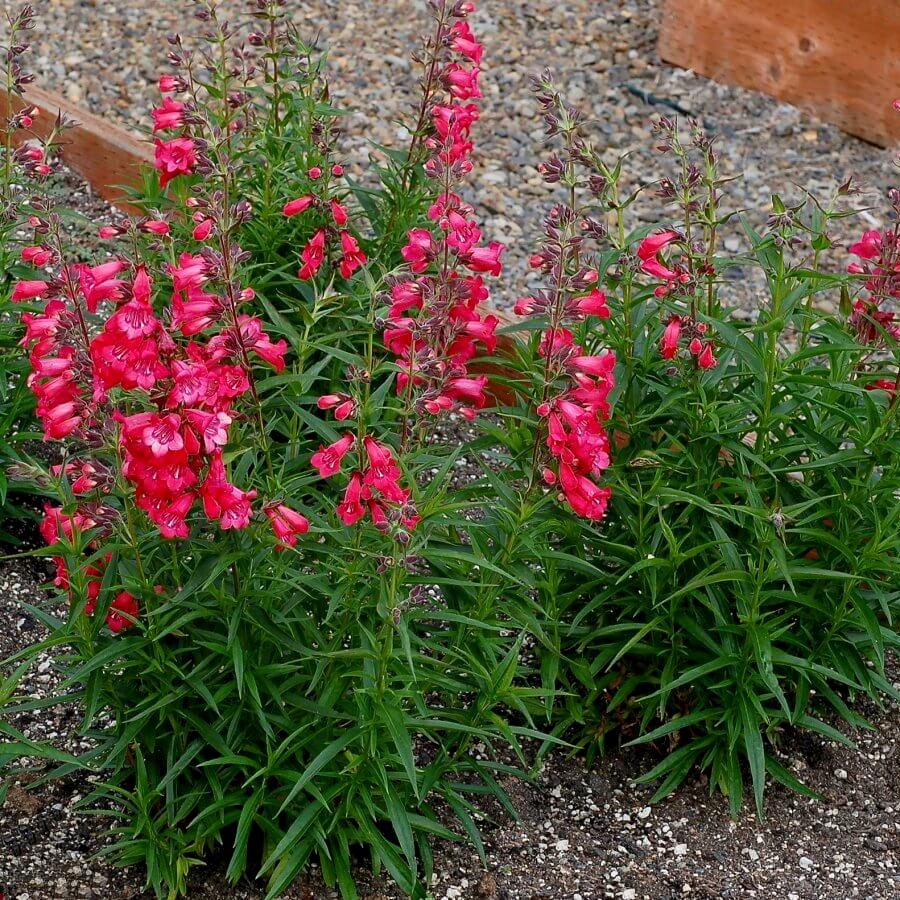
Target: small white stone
column 629, row 894
column 644, row 813
column 562, row 846
column 806, row 863
column 680, row 849
column 841, row 773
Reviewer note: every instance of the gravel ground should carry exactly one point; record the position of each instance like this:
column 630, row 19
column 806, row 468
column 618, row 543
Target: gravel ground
column 107, row 55
column 580, row 835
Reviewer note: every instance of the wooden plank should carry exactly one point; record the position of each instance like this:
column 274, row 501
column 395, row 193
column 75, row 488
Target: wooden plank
column 838, row 59
column 105, row 155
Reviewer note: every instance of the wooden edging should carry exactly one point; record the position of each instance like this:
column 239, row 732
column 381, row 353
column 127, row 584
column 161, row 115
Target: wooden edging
column 107, row 156
column 836, row 58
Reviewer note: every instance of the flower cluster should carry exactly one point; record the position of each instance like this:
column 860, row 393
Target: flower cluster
column 574, row 383
column 374, row 485
column 649, row 253
column 188, row 377
column 675, row 277
column 333, row 232
column 879, row 264
column 57, row 527
column 684, row 330
column 178, row 155
column 689, row 284
column 59, row 341
column 434, row 325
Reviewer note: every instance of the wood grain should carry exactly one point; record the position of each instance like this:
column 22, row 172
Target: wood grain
column 838, row 59
column 105, row 155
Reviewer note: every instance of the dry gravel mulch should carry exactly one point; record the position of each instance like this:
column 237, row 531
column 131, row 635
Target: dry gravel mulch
column 107, row 56
column 581, row 834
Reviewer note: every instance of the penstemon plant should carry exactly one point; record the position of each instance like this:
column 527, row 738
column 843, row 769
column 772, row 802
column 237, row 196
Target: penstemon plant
column 25, row 163
column 267, row 589
column 300, row 544
column 744, row 579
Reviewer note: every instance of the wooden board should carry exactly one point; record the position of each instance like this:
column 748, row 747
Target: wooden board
column 105, row 155
column 838, row 59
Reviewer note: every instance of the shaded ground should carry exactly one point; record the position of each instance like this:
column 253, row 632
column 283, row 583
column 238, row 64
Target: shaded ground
column 581, row 834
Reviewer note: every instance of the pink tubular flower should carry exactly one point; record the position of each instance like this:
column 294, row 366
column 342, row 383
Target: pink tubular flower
column 169, row 515
column 155, row 226
column 313, row 256
column 525, row 306
column 99, row 283
column 122, row 612
column 191, row 272
column 593, row 304
column 287, row 524
column 173, row 158
column 486, row 259
column 598, row 366
column 29, row 290
column 465, row 44
column 162, row 434
column 167, row 84
column 202, row 229
column 651, row 245
column 211, row 426
column 38, row 256
column 222, row 500
column 350, row 510
column 670, row 338
column 586, row 498
column 463, row 82
column 339, row 214
column 383, row 472
column 301, row 204
column 196, row 312
column 170, row 115
column 328, row 459
column 706, row 359
column 648, row 254
column 869, row 246
column 353, row 257
column 343, row 405
column 419, row 250
column 256, row 339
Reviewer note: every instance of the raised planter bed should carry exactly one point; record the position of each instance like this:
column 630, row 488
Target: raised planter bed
column 107, row 156
column 836, row 58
